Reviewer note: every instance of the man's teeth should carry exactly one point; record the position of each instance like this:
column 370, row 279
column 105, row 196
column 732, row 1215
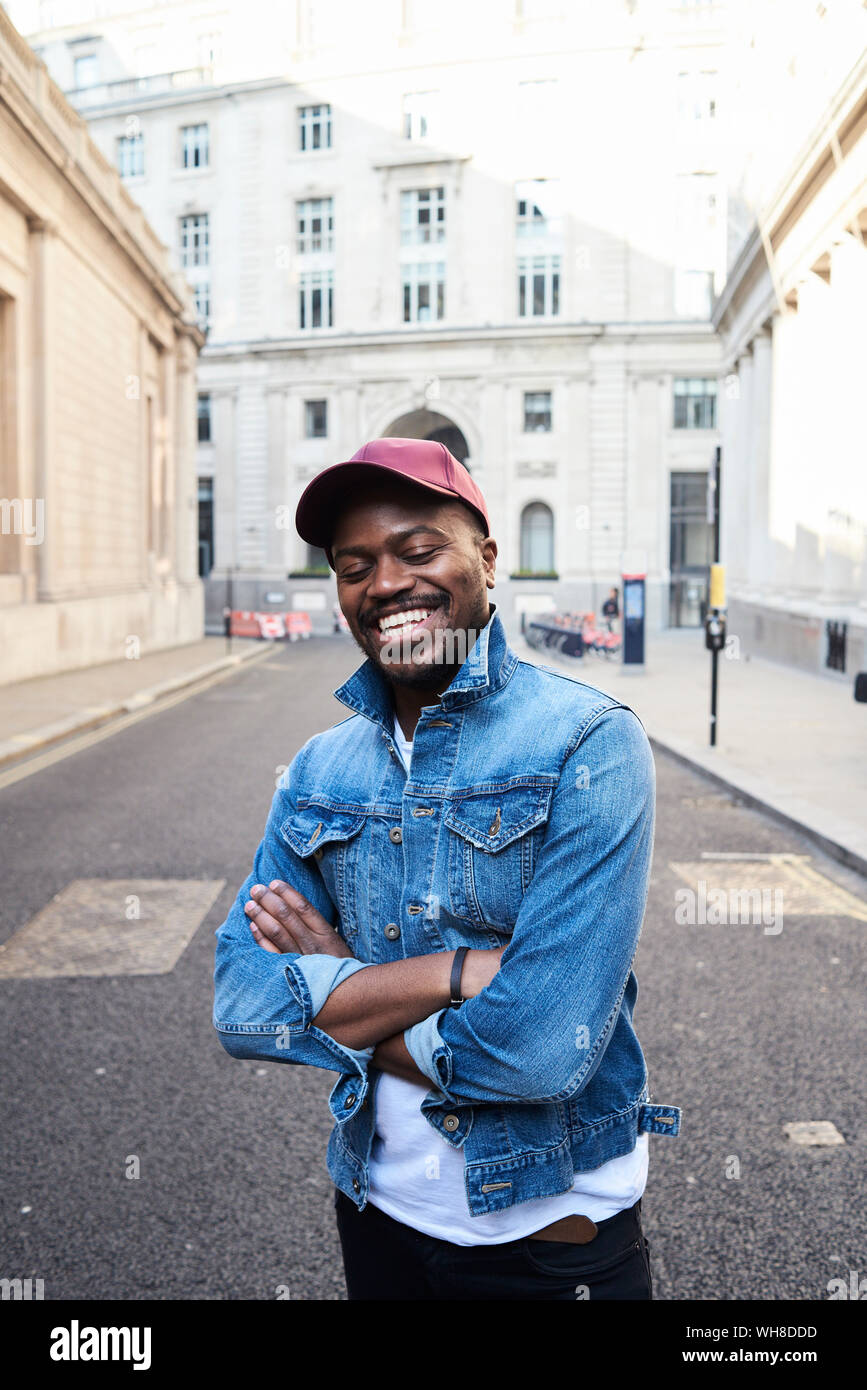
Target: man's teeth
column 412, row 615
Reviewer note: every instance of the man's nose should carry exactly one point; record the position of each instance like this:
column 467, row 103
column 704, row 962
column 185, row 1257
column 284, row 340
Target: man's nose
column 390, row 576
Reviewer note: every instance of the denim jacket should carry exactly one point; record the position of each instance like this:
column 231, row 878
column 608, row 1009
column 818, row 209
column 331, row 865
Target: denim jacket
column 526, row 822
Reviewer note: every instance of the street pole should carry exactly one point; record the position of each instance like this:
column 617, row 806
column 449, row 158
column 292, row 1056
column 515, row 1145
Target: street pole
column 714, row 659
column 714, row 656
column 227, row 611
column 715, row 626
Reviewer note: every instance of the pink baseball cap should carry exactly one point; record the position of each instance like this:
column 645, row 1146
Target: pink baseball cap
column 425, row 462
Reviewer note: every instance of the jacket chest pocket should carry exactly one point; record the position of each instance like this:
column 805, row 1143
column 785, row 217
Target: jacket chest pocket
column 332, row 839
column 493, row 842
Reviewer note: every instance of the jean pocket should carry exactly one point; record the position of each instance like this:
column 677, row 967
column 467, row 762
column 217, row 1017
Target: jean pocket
column 563, row 1258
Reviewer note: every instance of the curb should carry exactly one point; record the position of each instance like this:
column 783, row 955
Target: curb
column 94, row 715
column 841, row 839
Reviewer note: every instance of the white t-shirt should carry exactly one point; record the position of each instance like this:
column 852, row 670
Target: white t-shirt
column 417, row 1178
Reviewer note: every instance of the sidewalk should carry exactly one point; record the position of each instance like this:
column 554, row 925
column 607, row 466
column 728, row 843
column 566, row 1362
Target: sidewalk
column 36, row 713
column 792, row 743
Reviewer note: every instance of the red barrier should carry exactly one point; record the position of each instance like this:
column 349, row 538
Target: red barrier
column 298, row 624
column 268, row 625
column 244, row 624
column 271, row 625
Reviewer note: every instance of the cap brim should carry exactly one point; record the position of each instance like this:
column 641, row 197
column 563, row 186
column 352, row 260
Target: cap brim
column 318, row 505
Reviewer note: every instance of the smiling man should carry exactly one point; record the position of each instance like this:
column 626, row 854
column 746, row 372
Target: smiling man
column 444, row 909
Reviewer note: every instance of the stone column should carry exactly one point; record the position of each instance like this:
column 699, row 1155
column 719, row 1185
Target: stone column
column 756, row 519
column 734, row 486
column 224, row 412
column 185, row 478
column 43, row 259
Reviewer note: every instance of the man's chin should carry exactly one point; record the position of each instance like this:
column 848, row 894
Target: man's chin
column 421, row 675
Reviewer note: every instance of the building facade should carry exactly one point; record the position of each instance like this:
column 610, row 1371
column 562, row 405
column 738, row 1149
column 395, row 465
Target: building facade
column 791, row 319
column 516, row 252
column 98, row 347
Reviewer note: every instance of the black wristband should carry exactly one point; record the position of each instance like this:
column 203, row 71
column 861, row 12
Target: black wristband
column 455, row 980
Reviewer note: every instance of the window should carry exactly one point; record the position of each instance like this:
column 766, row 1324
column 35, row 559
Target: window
column 316, row 299
column 537, row 205
column 537, row 538
column 422, row 216
column 694, row 403
column 194, row 146
column 316, row 419
column 315, row 222
column 696, row 96
column 130, row 155
column 204, row 419
column 314, row 124
column 690, row 542
column 424, row 288
column 696, row 218
column 420, row 115
column 202, row 297
column 538, row 286
column 194, row 240
column 206, row 526
column 85, row 70
column 693, row 293
column 537, row 412
column 195, row 260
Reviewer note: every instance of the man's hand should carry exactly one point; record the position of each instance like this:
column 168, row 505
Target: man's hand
column 282, row 920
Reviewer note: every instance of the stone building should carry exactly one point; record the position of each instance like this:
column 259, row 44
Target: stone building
column 513, row 245
column 792, row 318
column 98, row 348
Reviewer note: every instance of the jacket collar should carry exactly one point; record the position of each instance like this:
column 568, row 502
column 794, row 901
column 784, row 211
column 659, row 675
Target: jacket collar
column 488, row 667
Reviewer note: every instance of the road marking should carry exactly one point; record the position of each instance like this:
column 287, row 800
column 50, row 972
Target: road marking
column 80, row 742
column 96, row 926
column 805, row 891
column 813, row 1133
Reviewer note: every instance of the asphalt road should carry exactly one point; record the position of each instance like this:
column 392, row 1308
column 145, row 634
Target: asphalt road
column 746, row 1030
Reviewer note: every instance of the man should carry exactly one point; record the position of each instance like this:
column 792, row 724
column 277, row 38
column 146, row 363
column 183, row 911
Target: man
column 611, row 608
column 444, row 909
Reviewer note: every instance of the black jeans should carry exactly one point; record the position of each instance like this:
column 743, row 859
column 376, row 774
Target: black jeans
column 383, row 1259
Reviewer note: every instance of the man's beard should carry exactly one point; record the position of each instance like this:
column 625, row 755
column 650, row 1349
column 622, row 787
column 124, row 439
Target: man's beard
column 439, row 667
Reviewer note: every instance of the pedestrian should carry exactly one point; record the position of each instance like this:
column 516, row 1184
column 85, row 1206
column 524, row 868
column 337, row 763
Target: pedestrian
column 444, row 909
column 611, row 608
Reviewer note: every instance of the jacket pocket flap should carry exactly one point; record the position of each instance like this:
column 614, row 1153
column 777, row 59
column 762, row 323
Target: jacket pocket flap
column 311, row 827
column 493, row 820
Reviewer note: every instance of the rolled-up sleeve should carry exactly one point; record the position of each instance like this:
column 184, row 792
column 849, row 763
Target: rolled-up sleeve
column 539, row 1030
column 264, row 1003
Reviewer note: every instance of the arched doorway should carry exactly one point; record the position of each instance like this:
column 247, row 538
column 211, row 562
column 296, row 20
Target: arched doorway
column 429, row 424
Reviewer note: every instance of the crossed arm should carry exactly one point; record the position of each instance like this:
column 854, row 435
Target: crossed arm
column 372, row 1007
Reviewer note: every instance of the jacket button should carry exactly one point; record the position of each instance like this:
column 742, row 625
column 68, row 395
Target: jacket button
column 451, row 1123
column 356, row 1185
column 350, row 1101
column 318, row 853
column 395, row 834
column 392, row 931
